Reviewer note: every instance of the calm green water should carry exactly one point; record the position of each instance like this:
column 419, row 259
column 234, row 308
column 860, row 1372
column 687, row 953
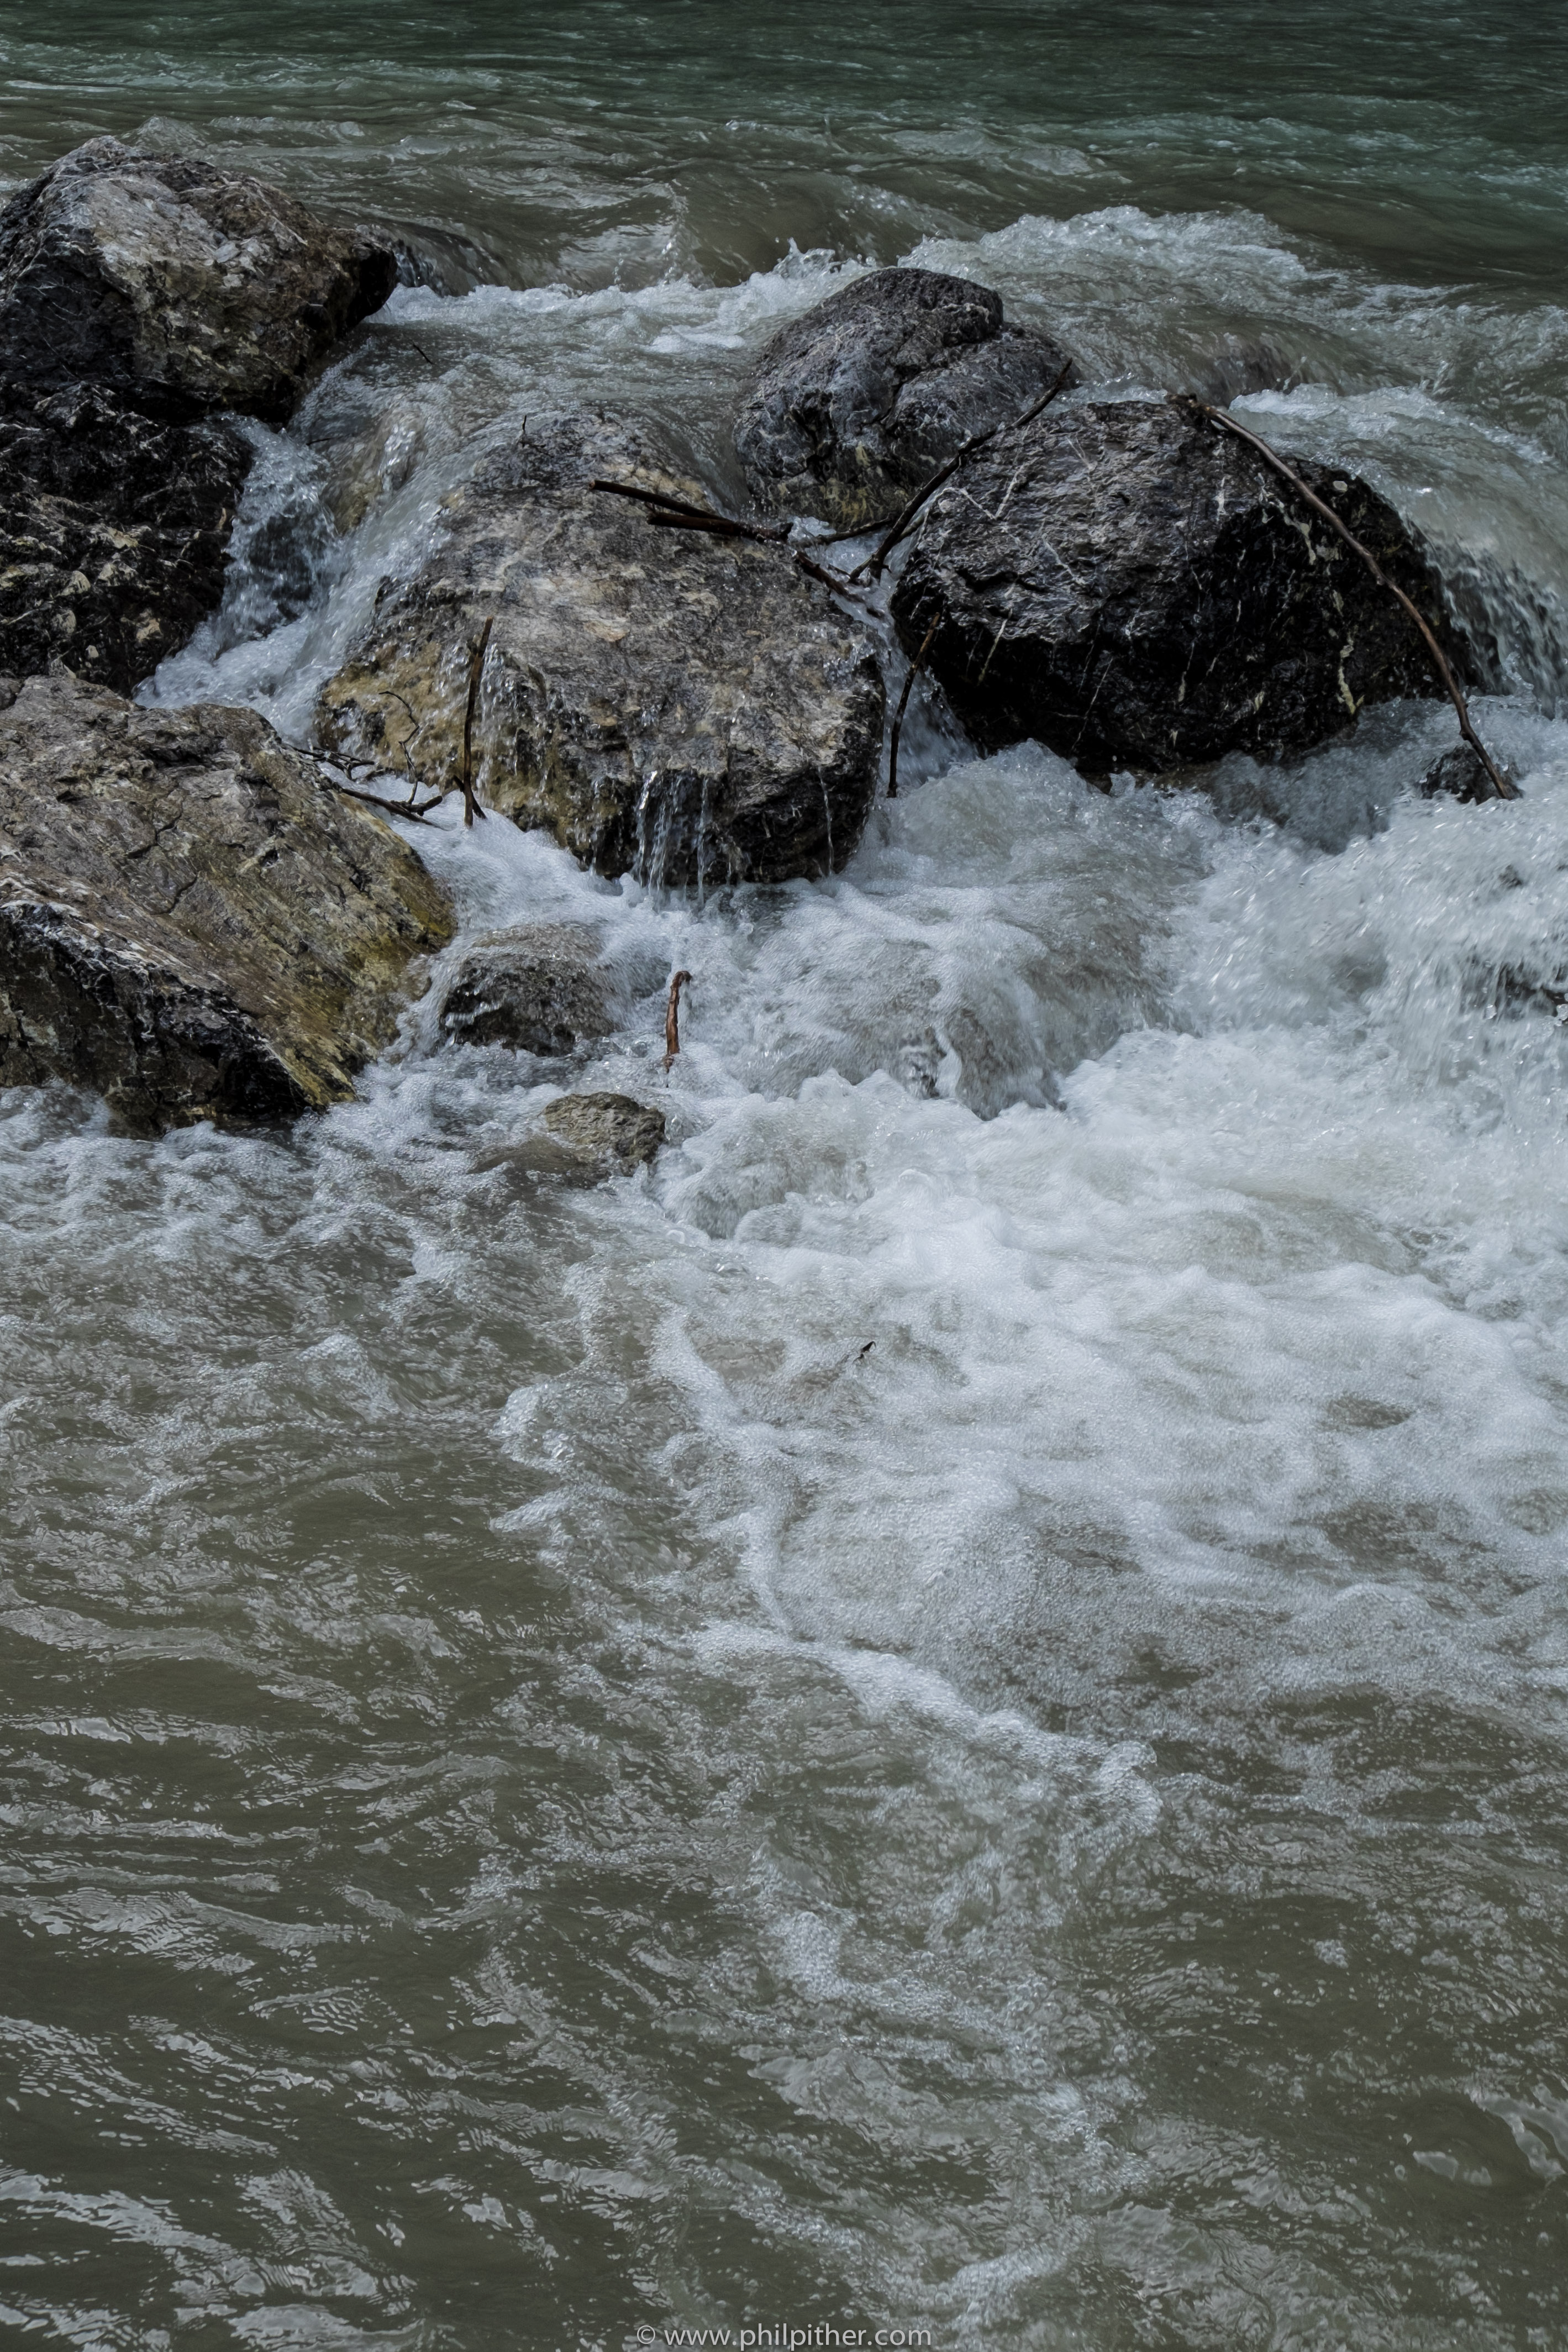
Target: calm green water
column 547, row 1793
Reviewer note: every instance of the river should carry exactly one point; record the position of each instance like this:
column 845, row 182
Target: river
column 946, row 1714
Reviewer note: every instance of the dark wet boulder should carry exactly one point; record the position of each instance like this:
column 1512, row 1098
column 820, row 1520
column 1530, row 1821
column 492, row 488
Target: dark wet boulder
column 587, row 1139
column 857, row 403
column 539, row 989
column 1135, row 589
column 113, row 530
column 687, row 707
column 191, row 924
column 182, row 285
column 1461, row 774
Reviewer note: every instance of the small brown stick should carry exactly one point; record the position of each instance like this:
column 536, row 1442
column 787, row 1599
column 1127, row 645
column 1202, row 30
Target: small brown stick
column 898, row 527
column 834, row 580
column 476, row 671
column 915, row 667
column 672, row 1017
column 1507, row 790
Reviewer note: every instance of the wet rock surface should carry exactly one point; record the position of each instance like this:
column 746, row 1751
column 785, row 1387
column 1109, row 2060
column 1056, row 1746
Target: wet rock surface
column 666, row 702
column 182, row 285
column 854, row 407
column 587, row 1139
column 113, row 530
column 539, row 988
column 1461, row 773
column 190, row 923
column 1136, row 590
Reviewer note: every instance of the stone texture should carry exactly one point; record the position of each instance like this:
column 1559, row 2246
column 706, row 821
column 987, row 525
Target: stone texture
column 190, row 922
column 586, row 1138
column 539, row 989
column 684, row 706
column 1461, row 773
column 1137, row 590
column 114, row 528
column 184, row 287
column 857, row 403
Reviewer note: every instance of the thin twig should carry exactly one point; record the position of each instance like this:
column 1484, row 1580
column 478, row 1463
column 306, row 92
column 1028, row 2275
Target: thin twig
column 476, row 671
column 672, row 1017
column 915, row 667
column 900, row 526
column 1507, row 790
column 833, row 580
column 678, row 514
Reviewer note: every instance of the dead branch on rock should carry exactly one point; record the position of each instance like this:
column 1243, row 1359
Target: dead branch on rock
column 667, row 513
column 915, row 669
column 408, row 808
column 900, row 527
column 1503, row 783
column 476, row 671
column 672, row 1017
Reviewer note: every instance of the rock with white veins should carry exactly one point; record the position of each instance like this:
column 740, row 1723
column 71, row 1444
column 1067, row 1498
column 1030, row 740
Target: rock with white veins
column 191, row 923
column 1135, row 589
column 688, row 708
column 182, row 286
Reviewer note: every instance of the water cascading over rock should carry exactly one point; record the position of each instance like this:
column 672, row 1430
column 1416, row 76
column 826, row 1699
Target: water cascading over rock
column 683, row 705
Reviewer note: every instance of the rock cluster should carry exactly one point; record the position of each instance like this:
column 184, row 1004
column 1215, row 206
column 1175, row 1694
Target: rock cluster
column 189, row 922
column 853, row 407
column 688, row 708
column 142, row 298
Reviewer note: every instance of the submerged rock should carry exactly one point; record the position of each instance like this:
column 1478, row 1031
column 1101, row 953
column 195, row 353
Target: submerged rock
column 586, row 1138
column 190, row 922
column 854, row 407
column 1135, row 589
column 539, row 989
column 114, row 528
column 1460, row 772
column 685, row 707
column 181, row 285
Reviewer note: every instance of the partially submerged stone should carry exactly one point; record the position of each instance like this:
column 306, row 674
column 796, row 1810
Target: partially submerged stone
column 113, row 530
column 587, row 1139
column 856, row 404
column 190, row 923
column 1461, row 774
column 539, row 989
column 685, row 707
column 179, row 284
column 1135, row 589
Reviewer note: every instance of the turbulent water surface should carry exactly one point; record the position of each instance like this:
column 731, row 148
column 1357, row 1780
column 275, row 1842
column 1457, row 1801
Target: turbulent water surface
column 948, row 1712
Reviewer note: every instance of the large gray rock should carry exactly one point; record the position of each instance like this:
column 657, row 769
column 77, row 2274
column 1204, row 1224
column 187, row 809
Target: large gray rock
column 182, row 285
column 539, row 989
column 1136, row 589
column 688, row 708
column 113, row 530
column 190, row 923
column 857, row 403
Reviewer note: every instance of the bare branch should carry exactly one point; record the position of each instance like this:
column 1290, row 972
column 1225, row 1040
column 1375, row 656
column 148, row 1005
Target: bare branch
column 1504, row 785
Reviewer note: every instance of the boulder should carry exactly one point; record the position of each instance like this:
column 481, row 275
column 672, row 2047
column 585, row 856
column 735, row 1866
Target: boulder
column 191, row 922
column 854, row 407
column 539, row 989
column 114, row 528
column 681, row 706
column 1135, row 589
column 182, row 285
column 586, row 1138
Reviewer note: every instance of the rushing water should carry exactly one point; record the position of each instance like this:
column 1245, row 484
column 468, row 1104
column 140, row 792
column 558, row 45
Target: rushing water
column 950, row 1712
